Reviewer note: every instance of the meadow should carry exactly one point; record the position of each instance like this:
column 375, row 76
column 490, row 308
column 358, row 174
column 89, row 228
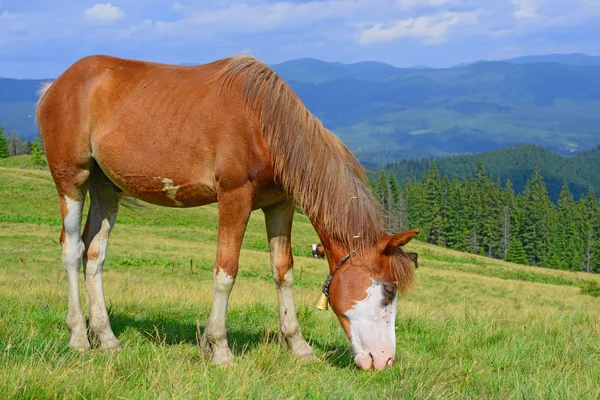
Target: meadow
column 471, row 327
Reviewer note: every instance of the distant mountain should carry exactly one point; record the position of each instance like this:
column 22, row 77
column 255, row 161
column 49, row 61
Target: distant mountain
column 384, row 113
column 481, row 107
column 575, row 59
column 316, row 71
column 516, row 163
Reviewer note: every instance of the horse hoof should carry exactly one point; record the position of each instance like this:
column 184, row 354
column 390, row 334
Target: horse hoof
column 310, row 356
column 111, row 345
column 79, row 342
column 223, row 357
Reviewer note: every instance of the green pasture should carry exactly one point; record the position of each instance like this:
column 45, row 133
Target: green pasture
column 472, row 327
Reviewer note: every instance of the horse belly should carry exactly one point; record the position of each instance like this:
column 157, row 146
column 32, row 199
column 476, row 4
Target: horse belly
column 170, row 187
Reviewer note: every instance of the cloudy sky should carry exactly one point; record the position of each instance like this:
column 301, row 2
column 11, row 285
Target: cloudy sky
column 40, row 38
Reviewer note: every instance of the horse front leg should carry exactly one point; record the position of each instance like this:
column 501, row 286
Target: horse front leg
column 279, row 219
column 235, row 207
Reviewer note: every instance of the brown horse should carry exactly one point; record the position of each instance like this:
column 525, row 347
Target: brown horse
column 231, row 132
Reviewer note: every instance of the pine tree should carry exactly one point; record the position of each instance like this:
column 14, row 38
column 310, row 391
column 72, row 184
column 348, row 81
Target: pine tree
column 37, row 155
column 587, row 207
column 516, row 252
column 394, row 208
column 382, row 189
column 508, row 205
column 455, row 216
column 473, row 216
column 414, row 207
column 434, row 216
column 491, row 219
column 3, row 144
column 537, row 211
column 566, row 250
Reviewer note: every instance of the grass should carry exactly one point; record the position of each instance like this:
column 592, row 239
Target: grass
column 471, row 328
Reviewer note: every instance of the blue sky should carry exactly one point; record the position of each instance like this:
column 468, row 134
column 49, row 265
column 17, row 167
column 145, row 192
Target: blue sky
column 40, row 38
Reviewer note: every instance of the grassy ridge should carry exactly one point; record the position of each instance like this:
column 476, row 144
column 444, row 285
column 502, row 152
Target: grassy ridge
column 472, row 327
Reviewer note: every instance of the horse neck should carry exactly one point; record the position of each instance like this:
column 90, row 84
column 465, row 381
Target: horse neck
column 334, row 248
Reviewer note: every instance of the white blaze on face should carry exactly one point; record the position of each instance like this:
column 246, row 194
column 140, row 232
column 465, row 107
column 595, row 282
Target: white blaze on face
column 372, row 326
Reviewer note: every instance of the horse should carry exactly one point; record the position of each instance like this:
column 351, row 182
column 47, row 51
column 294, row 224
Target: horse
column 414, row 257
column 318, row 251
column 230, row 132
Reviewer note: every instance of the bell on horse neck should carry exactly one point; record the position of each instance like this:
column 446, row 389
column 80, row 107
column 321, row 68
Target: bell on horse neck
column 322, row 301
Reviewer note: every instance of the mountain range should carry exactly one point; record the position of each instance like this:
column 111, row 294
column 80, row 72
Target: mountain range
column 385, row 113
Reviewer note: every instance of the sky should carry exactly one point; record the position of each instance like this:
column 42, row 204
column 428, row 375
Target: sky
column 41, row 38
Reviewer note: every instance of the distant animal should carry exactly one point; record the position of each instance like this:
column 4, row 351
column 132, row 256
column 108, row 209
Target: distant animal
column 318, row 251
column 414, row 258
column 232, row 132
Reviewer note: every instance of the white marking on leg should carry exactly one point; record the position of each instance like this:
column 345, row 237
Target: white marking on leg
column 71, row 257
column 99, row 320
column 223, row 285
column 214, row 339
column 372, row 327
column 288, row 319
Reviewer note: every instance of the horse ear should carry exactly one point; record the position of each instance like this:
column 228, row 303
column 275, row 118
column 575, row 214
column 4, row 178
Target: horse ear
column 398, row 240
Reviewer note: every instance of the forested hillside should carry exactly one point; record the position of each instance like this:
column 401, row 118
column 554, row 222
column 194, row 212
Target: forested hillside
column 516, row 163
column 482, row 214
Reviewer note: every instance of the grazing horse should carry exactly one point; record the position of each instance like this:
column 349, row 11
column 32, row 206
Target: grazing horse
column 318, row 251
column 231, row 132
column 414, row 258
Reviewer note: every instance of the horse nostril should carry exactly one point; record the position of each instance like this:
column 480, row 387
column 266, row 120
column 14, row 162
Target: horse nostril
column 390, row 362
column 372, row 360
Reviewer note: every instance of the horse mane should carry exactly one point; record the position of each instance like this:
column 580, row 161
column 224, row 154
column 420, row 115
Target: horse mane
column 310, row 162
column 401, row 269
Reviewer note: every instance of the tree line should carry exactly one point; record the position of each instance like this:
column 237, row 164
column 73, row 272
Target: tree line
column 14, row 145
column 479, row 214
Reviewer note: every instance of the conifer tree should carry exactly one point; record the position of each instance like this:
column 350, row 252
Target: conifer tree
column 566, row 251
column 516, row 252
column 455, row 216
column 491, row 219
column 37, row 155
column 536, row 225
column 382, row 189
column 433, row 223
column 473, row 216
column 586, row 206
column 3, row 144
column 394, row 206
column 508, row 205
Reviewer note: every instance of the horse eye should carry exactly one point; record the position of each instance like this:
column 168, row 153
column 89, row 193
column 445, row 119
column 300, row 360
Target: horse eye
column 389, row 293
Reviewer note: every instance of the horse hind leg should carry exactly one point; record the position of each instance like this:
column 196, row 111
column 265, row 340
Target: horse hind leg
column 72, row 197
column 104, row 206
column 279, row 219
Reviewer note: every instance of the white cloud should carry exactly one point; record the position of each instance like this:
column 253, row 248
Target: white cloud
column 430, row 29
column 526, row 8
column 254, row 16
column 103, row 13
